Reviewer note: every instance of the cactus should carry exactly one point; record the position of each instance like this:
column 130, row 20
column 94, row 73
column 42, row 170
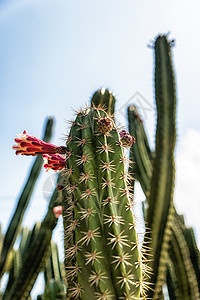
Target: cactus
column 103, row 260
column 54, row 275
column 160, row 201
column 30, row 258
column 182, row 267
column 22, row 204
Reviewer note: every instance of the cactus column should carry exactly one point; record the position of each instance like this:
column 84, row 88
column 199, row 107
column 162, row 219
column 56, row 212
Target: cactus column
column 103, row 260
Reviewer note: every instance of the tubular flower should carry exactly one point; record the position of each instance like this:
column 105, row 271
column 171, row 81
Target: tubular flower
column 57, row 211
column 126, row 139
column 30, row 145
column 55, row 162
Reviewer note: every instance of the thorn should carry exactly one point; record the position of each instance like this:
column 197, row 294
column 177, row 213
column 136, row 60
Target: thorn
column 86, row 177
column 113, row 220
column 120, row 239
column 71, row 227
column 83, row 159
column 70, row 188
column 71, row 252
column 110, row 201
column 73, row 271
column 95, row 277
column 86, row 212
column 75, row 291
column 87, row 193
column 68, row 172
column 92, row 257
column 88, row 236
column 82, row 126
column 105, row 148
column 122, row 259
column 126, row 278
column 104, row 296
column 107, row 183
column 82, row 142
column 107, row 166
column 125, row 160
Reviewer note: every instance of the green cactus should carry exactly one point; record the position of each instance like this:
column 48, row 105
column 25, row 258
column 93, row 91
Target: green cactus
column 30, row 258
column 160, row 200
column 103, row 260
column 180, row 259
column 54, row 275
column 15, row 223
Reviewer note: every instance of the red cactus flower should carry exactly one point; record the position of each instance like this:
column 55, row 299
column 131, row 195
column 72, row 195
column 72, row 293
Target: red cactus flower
column 126, row 139
column 30, row 145
column 57, row 211
column 55, row 162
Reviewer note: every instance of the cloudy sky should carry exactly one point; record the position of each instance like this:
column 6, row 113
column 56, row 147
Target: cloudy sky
column 55, row 54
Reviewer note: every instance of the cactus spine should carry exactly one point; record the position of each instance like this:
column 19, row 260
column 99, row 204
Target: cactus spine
column 103, row 261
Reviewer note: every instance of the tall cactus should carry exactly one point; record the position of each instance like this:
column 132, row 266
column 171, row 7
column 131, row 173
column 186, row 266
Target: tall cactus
column 160, row 201
column 103, row 261
column 180, row 257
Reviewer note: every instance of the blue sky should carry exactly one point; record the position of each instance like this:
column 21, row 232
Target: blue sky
column 55, row 54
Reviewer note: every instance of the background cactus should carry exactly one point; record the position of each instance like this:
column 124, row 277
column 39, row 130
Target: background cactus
column 182, row 266
column 23, row 202
column 24, row 264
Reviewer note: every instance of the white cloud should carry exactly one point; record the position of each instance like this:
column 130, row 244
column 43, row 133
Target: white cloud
column 187, row 195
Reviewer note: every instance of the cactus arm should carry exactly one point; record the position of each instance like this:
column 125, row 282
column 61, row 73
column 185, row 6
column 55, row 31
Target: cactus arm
column 23, row 202
column 101, row 233
column 179, row 265
column 179, row 253
column 105, row 99
column 140, row 151
column 34, row 257
column 54, row 281
column 160, row 211
column 171, row 281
